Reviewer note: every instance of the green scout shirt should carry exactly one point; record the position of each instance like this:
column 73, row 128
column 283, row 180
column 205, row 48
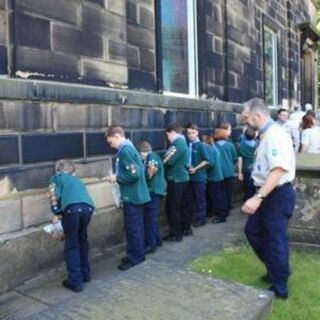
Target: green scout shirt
column 157, row 183
column 130, row 175
column 246, row 152
column 199, row 154
column 177, row 161
column 214, row 170
column 228, row 157
column 68, row 190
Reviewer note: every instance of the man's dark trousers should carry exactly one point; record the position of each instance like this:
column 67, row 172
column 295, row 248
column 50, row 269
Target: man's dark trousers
column 151, row 227
column 134, row 229
column 266, row 231
column 175, row 192
column 75, row 221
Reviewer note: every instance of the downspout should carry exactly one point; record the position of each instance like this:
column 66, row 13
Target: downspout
column 226, row 49
column 11, row 50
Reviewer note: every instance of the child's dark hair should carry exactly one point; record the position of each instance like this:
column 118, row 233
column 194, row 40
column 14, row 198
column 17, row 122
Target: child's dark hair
column 192, row 126
column 175, row 126
column 225, row 125
column 144, row 146
column 220, row 134
column 282, row 110
column 113, row 130
column 250, row 133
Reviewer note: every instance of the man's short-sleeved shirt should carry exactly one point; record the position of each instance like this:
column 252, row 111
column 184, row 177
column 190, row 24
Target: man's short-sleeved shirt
column 275, row 150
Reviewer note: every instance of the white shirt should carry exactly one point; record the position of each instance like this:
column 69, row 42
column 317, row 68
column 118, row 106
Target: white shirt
column 296, row 118
column 311, row 138
column 274, row 150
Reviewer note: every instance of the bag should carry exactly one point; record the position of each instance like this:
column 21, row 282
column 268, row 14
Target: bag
column 116, row 195
column 55, row 230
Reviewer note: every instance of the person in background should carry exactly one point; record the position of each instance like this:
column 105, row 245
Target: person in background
column 176, row 173
column 215, row 184
column 228, row 160
column 70, row 200
column 310, row 137
column 129, row 174
column 194, row 200
column 246, row 150
column 154, row 172
column 295, row 119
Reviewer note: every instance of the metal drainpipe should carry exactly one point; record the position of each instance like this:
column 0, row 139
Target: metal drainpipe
column 226, row 49
column 10, row 38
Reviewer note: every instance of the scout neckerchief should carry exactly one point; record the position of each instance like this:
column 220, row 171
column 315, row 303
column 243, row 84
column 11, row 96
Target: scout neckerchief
column 172, row 149
column 126, row 142
column 190, row 151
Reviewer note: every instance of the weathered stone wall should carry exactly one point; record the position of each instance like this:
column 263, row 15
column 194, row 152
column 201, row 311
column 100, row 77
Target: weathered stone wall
column 71, row 40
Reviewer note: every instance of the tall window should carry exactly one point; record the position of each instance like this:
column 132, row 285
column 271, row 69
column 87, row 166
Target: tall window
column 178, row 46
column 270, row 66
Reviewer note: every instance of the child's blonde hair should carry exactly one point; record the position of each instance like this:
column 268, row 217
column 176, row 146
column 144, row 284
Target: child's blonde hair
column 66, row 166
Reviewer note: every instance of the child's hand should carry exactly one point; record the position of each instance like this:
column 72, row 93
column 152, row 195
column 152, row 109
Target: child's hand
column 55, row 219
column 112, row 178
column 192, row 170
column 240, row 176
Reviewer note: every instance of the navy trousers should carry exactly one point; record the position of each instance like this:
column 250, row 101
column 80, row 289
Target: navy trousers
column 194, row 203
column 176, row 218
column 249, row 188
column 134, row 230
column 228, row 187
column 75, row 221
column 266, row 231
column 218, row 199
column 151, row 227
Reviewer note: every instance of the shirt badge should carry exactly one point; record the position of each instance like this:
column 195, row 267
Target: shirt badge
column 274, row 152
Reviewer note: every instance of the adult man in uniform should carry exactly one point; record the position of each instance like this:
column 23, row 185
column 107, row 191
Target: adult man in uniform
column 270, row 208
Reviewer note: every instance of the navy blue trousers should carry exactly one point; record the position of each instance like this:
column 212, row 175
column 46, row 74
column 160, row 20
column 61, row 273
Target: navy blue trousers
column 75, row 221
column 228, row 187
column 151, row 226
column 218, row 199
column 134, row 230
column 249, row 188
column 194, row 202
column 266, row 231
column 175, row 214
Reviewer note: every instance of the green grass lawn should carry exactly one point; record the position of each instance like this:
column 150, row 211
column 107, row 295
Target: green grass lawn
column 240, row 264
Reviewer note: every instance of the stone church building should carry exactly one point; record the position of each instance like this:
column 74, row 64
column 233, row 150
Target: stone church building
column 70, row 68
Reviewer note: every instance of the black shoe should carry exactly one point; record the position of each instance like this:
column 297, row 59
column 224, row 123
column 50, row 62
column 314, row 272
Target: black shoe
column 150, row 250
column 187, row 233
column 124, row 260
column 279, row 295
column 265, row 279
column 199, row 224
column 159, row 243
column 86, row 279
column 172, row 238
column 123, row 266
column 218, row 220
column 69, row 286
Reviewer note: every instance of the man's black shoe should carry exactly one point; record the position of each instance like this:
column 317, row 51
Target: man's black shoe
column 218, row 220
column 124, row 259
column 69, row 286
column 159, row 243
column 123, row 266
column 279, row 295
column 150, row 250
column 172, row 238
column 265, row 278
column 86, row 279
column 187, row 233
column 199, row 224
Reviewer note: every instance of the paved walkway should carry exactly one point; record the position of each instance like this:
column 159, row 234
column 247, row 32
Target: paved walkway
column 162, row 288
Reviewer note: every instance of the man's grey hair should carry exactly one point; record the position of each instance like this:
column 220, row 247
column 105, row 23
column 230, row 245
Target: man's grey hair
column 257, row 105
column 66, row 166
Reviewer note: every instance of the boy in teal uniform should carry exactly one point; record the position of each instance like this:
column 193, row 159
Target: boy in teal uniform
column 215, row 185
column 134, row 194
column 70, row 199
column 247, row 147
column 154, row 171
column 176, row 163
column 228, row 160
column 195, row 195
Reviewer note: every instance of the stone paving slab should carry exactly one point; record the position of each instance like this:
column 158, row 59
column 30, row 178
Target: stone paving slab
column 162, row 288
